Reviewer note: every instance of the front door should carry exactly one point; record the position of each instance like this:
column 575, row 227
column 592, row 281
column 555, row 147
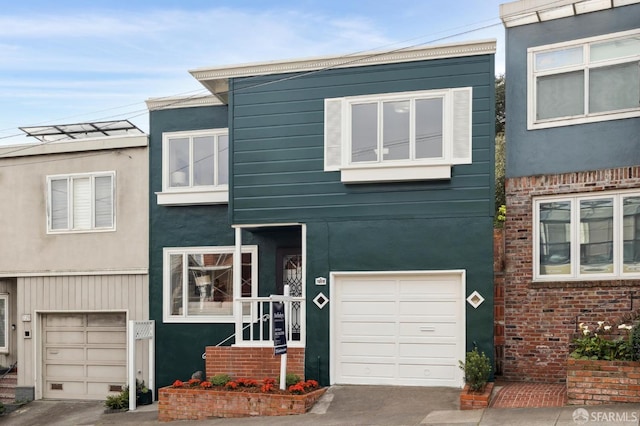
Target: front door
column 289, row 272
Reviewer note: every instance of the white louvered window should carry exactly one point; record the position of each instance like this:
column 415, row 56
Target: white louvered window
column 82, row 202
column 398, row 136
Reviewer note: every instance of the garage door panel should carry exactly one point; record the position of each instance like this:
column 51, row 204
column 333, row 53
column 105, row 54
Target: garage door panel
column 105, row 337
column 100, row 319
column 60, row 388
column 106, row 354
column 380, row 307
column 445, row 308
column 101, row 387
column 368, row 370
column 369, row 329
column 400, row 330
column 64, row 320
column 428, row 351
column 358, row 287
column 426, row 329
column 427, row 372
column 368, row 349
column 77, row 337
column 64, row 354
column 65, row 370
column 105, row 371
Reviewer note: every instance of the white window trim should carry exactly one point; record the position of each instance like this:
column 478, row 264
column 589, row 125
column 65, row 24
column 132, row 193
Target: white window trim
column 618, row 232
column 212, row 194
column 166, row 282
column 71, row 230
column 533, row 123
column 402, row 170
column 5, row 349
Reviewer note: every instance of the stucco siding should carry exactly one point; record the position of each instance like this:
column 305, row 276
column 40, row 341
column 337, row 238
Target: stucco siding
column 23, row 189
column 591, row 146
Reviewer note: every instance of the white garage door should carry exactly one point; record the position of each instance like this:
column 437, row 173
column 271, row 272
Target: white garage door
column 84, row 355
column 398, row 329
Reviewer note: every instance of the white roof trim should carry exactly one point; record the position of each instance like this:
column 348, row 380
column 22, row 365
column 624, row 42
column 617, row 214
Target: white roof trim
column 216, row 78
column 525, row 12
column 154, row 104
column 76, row 145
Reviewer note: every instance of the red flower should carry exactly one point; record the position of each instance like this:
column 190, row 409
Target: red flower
column 297, row 388
column 248, row 383
column 269, row 381
column 193, row 382
column 177, row 384
column 312, row 384
column 205, row 385
column 231, row 385
column 267, row 387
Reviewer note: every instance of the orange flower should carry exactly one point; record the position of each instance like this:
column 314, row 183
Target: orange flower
column 193, row 382
column 177, row 384
column 231, row 385
column 205, row 385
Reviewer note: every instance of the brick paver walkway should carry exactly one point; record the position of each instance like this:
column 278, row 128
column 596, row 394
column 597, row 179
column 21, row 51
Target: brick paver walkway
column 529, row 395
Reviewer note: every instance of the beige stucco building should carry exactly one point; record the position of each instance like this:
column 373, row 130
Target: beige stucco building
column 73, row 264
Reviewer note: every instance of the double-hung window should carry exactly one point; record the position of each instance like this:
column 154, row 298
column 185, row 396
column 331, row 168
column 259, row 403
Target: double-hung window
column 398, row 136
column 195, row 167
column 587, row 236
column 198, row 282
column 81, row 202
column 585, row 80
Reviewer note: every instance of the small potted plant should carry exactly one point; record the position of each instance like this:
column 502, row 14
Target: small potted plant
column 477, row 390
column 144, row 396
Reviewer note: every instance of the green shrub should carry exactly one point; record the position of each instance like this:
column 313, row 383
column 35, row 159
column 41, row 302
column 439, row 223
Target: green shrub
column 291, row 379
column 119, row 401
column 635, row 342
column 220, row 379
column 598, row 343
column 477, row 369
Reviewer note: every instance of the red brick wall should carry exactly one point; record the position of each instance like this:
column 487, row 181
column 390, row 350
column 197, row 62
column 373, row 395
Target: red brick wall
column 540, row 318
column 199, row 404
column 251, row 363
column 498, row 298
column 602, row 382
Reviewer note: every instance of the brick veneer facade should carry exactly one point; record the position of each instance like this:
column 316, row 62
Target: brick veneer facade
column 251, row 363
column 540, row 317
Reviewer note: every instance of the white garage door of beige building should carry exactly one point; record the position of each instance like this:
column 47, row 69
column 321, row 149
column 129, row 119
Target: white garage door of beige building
column 397, row 328
column 84, row 354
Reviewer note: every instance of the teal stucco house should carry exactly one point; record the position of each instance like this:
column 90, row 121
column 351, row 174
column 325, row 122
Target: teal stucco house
column 362, row 183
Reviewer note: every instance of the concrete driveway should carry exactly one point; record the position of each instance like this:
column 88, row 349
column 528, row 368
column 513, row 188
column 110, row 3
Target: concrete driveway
column 353, row 405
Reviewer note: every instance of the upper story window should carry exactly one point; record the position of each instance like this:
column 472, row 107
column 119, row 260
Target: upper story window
column 587, row 237
column 195, row 167
column 584, row 81
column 198, row 283
column 398, row 136
column 81, row 202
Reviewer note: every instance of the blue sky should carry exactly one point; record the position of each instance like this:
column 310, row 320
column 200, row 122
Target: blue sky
column 75, row 61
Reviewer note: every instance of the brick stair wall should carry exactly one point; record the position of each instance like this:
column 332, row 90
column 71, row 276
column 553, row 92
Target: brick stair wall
column 8, row 388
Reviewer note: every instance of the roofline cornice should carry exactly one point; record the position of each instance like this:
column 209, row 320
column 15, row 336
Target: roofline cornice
column 481, row 47
column 154, row 104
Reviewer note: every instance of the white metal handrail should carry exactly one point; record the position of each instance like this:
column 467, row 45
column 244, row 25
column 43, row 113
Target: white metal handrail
column 255, row 308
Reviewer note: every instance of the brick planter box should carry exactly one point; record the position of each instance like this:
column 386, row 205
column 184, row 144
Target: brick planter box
column 602, row 382
column 201, row 404
column 471, row 400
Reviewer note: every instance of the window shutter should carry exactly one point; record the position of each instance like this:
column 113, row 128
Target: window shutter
column 103, row 202
column 59, row 204
column 461, row 153
column 332, row 134
column 82, row 203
